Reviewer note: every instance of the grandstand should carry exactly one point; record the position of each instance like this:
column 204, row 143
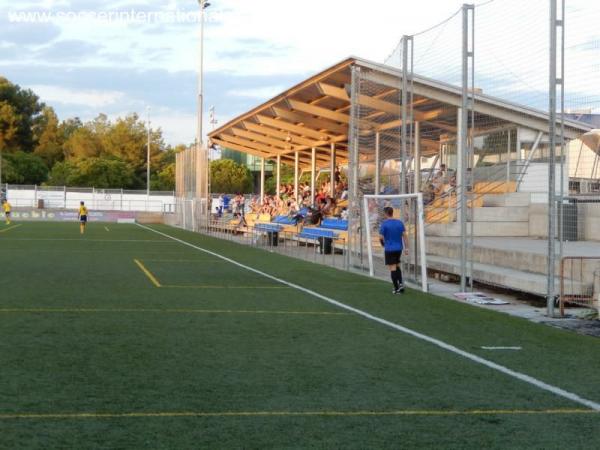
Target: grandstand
column 343, row 127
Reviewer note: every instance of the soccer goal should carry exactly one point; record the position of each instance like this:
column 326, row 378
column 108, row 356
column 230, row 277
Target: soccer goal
column 409, row 209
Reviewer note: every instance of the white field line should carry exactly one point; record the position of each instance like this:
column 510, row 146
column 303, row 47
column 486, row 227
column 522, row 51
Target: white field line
column 502, row 348
column 163, row 241
column 492, row 365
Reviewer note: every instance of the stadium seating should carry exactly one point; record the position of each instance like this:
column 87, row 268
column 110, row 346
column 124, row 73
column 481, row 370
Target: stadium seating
column 330, row 229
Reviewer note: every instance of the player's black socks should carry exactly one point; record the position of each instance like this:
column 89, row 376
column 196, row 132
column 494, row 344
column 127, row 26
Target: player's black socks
column 398, row 273
column 394, row 279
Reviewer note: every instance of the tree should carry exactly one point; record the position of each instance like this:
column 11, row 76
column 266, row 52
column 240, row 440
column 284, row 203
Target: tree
column 164, row 180
column 61, row 173
column 8, row 124
column 24, row 168
column 229, row 177
column 83, row 143
column 26, row 109
column 50, row 140
column 101, row 173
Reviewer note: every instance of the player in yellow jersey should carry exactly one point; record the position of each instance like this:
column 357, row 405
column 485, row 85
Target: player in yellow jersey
column 6, row 207
column 83, row 216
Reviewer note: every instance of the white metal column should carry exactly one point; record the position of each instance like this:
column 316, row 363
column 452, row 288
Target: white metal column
column 313, row 174
column 377, row 164
column 417, row 177
column 278, row 175
column 296, row 168
column 262, row 180
column 332, row 175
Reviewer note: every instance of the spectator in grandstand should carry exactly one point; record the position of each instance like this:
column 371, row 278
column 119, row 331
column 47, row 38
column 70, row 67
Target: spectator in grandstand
column 254, row 205
column 469, row 179
column 438, row 184
column 428, row 194
column 452, row 185
column 6, row 207
column 220, row 206
column 241, row 201
column 392, row 237
column 444, row 173
column 82, row 216
column 344, row 213
column 344, row 192
column 292, row 207
column 313, row 216
column 321, row 196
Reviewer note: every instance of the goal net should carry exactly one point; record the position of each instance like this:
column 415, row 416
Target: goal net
column 409, row 209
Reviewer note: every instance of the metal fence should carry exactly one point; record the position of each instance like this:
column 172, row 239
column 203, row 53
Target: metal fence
column 62, row 197
column 513, row 181
column 193, row 215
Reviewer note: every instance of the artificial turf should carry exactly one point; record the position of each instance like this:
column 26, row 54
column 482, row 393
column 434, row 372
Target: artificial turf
column 95, row 355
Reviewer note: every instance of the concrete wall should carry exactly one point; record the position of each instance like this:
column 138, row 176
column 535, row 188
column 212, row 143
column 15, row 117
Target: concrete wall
column 588, row 218
column 591, row 223
column 536, row 182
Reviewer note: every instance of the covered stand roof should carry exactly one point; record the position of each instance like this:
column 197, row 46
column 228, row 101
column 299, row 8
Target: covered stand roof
column 317, row 112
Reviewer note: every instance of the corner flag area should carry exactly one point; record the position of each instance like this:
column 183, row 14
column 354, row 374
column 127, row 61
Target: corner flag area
column 134, row 336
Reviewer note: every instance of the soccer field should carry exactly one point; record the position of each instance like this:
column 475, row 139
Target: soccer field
column 128, row 338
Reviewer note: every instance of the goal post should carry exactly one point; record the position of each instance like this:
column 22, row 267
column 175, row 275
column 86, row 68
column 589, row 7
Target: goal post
column 409, row 209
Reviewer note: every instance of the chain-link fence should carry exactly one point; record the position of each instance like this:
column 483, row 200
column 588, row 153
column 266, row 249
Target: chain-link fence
column 258, row 231
column 516, row 159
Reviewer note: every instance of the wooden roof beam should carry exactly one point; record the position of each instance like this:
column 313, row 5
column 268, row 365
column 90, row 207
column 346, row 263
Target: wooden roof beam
column 310, row 121
column 268, row 151
column 277, row 134
column 262, row 139
column 319, row 111
column 300, row 130
column 239, row 148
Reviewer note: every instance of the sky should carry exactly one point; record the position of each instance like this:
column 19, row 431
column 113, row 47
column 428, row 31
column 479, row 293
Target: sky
column 86, row 57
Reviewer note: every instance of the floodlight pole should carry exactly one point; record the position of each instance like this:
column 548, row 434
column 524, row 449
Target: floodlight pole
column 199, row 138
column 148, row 153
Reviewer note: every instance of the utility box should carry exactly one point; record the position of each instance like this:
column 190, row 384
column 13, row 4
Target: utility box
column 568, row 220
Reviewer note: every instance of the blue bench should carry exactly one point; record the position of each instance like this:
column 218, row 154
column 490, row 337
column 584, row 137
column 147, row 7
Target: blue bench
column 284, row 220
column 329, row 230
column 268, row 227
column 335, row 224
column 316, row 233
column 272, row 230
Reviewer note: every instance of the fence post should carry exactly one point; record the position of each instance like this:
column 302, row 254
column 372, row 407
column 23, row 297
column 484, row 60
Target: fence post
column 462, row 148
column 554, row 82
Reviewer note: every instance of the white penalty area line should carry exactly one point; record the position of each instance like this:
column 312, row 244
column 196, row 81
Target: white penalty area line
column 482, row 361
column 502, row 348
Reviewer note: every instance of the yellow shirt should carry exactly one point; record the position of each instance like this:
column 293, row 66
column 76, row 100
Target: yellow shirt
column 83, row 211
column 6, row 207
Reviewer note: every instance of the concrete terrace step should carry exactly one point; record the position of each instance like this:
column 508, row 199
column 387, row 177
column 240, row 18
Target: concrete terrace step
column 513, row 199
column 532, row 283
column 515, row 259
column 481, row 229
column 500, row 214
column 525, row 255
